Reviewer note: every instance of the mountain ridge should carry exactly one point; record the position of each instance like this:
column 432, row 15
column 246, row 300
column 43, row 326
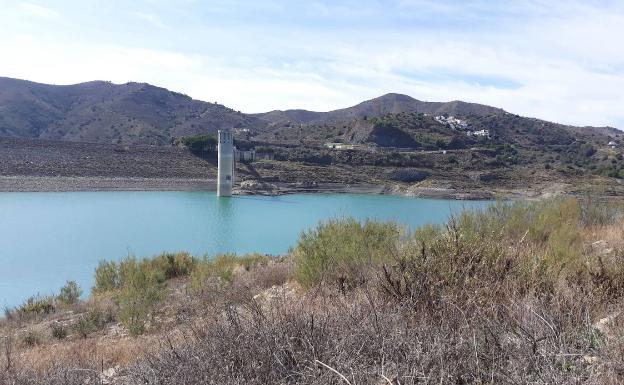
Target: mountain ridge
column 390, row 103
column 140, row 113
column 104, row 112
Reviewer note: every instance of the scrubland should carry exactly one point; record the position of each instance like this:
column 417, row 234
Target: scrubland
column 526, row 292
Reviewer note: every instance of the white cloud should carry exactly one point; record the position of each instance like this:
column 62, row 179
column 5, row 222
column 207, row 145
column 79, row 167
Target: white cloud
column 39, row 11
column 553, row 60
column 152, row 19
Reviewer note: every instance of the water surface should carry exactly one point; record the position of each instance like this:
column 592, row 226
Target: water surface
column 48, row 238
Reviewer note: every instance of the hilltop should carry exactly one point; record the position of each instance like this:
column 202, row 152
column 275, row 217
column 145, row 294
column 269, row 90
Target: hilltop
column 103, row 112
column 391, row 103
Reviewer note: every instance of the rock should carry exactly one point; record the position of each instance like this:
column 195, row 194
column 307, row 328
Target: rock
column 254, row 185
column 108, row 375
column 276, row 293
column 591, row 359
column 307, row 184
column 605, row 325
column 601, row 247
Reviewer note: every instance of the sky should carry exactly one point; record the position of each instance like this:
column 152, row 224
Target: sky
column 559, row 60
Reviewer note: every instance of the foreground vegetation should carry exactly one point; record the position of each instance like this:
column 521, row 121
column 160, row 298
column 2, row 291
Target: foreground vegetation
column 517, row 293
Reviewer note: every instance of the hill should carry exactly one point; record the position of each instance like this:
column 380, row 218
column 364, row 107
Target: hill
column 387, row 104
column 143, row 114
column 103, row 112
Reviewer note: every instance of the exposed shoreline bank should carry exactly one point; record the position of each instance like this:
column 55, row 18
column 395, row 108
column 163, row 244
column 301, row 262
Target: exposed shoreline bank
column 103, row 184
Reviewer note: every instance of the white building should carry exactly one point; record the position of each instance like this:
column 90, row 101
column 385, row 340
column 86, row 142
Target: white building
column 341, row 146
column 482, row 133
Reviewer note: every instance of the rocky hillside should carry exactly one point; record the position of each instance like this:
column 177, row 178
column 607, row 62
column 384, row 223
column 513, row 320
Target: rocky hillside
column 142, row 114
column 103, row 112
column 386, row 104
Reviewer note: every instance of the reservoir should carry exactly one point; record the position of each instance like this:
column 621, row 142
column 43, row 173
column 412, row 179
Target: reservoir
column 49, row 238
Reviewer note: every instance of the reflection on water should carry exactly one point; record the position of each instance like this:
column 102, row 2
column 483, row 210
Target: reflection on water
column 47, row 238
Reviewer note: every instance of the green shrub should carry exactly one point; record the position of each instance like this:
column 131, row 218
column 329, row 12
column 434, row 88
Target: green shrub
column 141, row 289
column 36, row 306
column 223, row 267
column 600, row 213
column 106, row 277
column 70, row 293
column 519, row 247
column 173, row 265
column 59, row 331
column 339, row 251
column 32, row 338
column 91, row 322
column 137, row 285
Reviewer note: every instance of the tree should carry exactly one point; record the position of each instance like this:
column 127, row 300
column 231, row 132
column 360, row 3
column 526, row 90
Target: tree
column 201, row 145
column 70, row 293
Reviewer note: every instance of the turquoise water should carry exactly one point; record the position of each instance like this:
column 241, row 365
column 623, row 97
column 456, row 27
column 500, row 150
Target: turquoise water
column 48, row 238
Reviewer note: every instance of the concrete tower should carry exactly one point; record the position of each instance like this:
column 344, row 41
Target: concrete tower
column 225, row 173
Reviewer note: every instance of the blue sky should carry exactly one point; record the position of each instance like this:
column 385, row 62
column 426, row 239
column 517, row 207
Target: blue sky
column 557, row 60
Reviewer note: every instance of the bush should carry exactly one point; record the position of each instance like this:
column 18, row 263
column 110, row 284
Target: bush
column 507, row 248
column 223, row 268
column 106, row 277
column 32, row 338
column 36, row 306
column 59, row 331
column 91, row 322
column 173, row 265
column 340, row 251
column 70, row 293
column 141, row 289
column 138, row 284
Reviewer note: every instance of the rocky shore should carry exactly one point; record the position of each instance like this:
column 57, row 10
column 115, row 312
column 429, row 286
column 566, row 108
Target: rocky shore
column 48, row 184
column 248, row 187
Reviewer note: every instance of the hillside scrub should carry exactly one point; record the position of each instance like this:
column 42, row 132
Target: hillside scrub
column 525, row 292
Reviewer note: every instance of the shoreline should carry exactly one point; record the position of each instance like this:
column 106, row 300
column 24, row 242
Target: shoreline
column 108, row 184
column 102, row 184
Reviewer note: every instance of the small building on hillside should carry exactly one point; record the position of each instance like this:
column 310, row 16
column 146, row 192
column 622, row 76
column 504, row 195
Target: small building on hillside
column 613, row 145
column 481, row 133
column 340, row 146
column 243, row 133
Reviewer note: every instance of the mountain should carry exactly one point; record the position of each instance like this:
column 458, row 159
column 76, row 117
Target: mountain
column 383, row 105
column 103, row 112
column 143, row 114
